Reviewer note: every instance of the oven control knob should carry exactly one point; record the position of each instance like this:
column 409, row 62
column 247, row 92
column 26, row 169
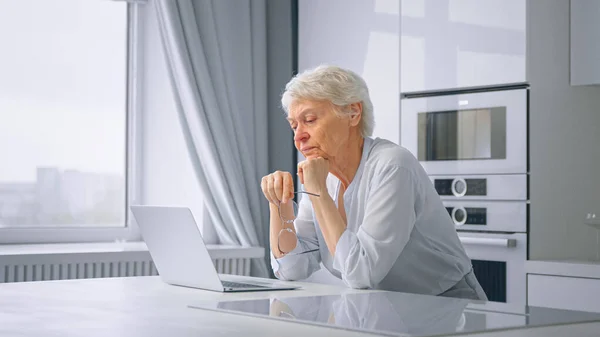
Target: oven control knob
column 459, row 215
column 459, row 187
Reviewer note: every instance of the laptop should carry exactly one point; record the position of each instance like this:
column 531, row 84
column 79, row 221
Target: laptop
column 180, row 255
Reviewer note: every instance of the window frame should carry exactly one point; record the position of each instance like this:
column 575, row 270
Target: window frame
column 133, row 160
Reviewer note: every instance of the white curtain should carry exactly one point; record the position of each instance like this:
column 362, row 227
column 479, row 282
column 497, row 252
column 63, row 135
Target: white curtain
column 216, row 54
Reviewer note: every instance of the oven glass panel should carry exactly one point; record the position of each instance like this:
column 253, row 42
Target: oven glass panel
column 476, row 216
column 474, row 134
column 492, row 278
column 476, row 187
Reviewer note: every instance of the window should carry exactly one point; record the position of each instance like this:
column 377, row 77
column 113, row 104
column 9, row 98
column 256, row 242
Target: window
column 67, row 120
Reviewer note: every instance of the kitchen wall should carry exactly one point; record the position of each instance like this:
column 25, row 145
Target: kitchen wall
column 168, row 177
column 564, row 141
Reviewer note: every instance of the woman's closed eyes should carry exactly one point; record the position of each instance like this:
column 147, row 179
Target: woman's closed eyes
column 307, row 121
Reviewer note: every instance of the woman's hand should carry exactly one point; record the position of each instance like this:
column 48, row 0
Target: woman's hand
column 278, row 187
column 278, row 308
column 313, row 174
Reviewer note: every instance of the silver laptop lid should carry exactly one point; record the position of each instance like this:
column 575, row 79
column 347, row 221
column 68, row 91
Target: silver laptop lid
column 176, row 246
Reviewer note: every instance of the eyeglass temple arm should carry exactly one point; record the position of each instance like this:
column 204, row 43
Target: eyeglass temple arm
column 316, row 195
column 308, row 251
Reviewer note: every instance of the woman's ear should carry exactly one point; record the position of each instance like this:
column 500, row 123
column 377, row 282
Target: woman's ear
column 355, row 113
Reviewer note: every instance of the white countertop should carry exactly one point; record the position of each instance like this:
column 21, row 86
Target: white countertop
column 136, row 306
column 146, row 306
column 587, row 269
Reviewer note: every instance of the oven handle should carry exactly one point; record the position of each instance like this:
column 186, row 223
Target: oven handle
column 488, row 242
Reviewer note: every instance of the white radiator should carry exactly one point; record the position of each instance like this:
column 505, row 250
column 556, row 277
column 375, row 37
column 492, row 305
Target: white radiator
column 66, row 271
column 40, row 266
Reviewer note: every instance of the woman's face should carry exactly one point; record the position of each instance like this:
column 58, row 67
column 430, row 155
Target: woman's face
column 318, row 130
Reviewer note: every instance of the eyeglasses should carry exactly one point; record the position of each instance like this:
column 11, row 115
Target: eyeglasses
column 286, row 239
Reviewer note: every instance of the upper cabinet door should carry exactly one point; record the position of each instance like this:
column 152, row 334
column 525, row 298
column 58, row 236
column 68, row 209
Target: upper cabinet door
column 450, row 44
column 585, row 42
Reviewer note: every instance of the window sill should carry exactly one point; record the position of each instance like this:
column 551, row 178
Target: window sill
column 216, row 251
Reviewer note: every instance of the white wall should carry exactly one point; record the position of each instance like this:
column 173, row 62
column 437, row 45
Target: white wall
column 564, row 141
column 364, row 36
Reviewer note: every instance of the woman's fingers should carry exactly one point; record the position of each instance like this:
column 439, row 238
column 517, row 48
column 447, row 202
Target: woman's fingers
column 277, row 187
column 288, row 187
column 265, row 188
column 301, row 172
column 271, row 190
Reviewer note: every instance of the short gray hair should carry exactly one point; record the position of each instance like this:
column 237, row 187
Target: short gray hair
column 339, row 86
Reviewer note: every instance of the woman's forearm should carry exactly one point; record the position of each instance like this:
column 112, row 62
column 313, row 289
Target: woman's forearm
column 330, row 221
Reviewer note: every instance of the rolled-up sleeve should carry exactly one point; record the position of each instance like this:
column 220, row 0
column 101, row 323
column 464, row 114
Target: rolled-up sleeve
column 364, row 258
column 295, row 266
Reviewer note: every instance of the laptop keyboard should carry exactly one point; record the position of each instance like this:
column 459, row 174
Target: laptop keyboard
column 228, row 284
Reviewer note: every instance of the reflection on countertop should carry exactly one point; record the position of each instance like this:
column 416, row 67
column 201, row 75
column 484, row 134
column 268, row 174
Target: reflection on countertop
column 395, row 313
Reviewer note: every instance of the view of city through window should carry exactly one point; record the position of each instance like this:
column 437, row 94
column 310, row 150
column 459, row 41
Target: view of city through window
column 63, row 97
column 63, row 198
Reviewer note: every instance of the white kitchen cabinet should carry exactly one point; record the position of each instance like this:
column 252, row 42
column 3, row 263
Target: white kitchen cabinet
column 562, row 292
column 585, row 42
column 449, row 44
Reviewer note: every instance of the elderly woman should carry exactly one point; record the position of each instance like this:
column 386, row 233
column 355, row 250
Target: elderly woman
column 371, row 215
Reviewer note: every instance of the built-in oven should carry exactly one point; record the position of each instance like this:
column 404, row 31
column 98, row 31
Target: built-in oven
column 467, row 133
column 473, row 145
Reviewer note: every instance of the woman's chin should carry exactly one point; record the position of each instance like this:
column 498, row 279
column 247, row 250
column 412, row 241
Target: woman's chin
column 313, row 153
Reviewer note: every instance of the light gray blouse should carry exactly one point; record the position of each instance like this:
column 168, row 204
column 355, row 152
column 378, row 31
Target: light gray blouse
column 399, row 235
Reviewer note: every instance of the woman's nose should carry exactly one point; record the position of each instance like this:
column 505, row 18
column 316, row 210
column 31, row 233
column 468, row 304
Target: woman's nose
column 300, row 135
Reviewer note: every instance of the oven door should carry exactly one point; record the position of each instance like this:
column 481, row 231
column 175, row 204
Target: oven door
column 476, row 133
column 499, row 264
